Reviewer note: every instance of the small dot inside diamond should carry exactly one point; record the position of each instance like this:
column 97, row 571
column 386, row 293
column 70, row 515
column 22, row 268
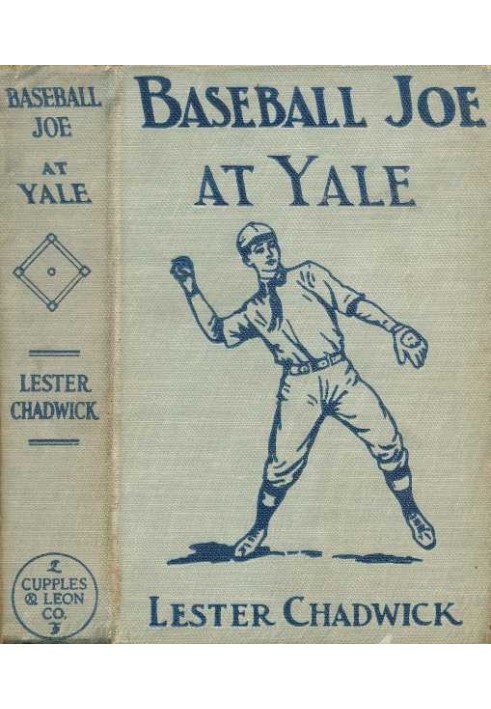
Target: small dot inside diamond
column 51, row 271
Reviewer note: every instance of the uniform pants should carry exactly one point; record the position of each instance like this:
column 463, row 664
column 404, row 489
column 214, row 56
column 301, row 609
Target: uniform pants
column 304, row 401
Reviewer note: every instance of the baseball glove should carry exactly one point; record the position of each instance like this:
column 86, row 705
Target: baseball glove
column 409, row 345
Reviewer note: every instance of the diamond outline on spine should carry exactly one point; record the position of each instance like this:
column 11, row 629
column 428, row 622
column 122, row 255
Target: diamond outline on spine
column 20, row 272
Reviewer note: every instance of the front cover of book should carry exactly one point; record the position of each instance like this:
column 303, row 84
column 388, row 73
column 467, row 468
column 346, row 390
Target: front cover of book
column 245, row 354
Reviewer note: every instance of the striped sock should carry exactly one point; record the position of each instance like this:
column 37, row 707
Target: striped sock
column 400, row 484
column 269, row 499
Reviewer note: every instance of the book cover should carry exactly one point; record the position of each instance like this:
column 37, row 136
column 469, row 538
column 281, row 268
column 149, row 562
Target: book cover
column 244, row 354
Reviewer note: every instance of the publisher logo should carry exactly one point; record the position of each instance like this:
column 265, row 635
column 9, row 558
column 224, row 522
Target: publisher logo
column 54, row 596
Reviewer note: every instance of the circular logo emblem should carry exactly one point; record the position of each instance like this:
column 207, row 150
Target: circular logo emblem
column 54, row 596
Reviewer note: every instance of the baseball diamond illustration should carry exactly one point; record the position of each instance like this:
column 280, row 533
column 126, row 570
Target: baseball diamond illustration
column 295, row 313
column 51, row 271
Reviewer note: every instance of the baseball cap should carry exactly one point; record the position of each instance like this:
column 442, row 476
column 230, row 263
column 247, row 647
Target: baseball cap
column 252, row 231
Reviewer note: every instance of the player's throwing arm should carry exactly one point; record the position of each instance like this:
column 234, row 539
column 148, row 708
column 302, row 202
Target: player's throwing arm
column 182, row 268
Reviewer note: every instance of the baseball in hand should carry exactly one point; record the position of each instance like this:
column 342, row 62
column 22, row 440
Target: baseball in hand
column 410, row 339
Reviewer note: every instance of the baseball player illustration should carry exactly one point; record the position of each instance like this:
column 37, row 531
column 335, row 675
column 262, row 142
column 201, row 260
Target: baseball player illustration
column 295, row 313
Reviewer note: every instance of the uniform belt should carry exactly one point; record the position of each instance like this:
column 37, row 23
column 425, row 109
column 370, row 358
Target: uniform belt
column 316, row 364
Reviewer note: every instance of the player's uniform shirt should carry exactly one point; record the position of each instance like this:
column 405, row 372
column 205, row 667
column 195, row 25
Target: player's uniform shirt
column 295, row 315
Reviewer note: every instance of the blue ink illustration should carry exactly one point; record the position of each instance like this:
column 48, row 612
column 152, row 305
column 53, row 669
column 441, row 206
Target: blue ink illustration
column 378, row 558
column 51, row 271
column 295, row 313
column 215, row 553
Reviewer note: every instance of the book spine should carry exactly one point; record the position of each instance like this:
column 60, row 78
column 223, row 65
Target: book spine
column 57, row 327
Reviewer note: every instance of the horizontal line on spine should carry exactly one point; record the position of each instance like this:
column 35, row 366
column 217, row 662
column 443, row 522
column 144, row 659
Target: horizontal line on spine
column 54, row 441
column 54, row 353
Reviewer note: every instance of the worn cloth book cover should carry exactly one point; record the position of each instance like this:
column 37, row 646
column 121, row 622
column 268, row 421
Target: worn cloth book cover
column 244, row 354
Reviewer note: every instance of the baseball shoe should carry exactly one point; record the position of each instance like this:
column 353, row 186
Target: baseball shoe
column 249, row 543
column 422, row 531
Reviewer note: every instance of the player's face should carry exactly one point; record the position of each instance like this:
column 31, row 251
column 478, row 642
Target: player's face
column 264, row 255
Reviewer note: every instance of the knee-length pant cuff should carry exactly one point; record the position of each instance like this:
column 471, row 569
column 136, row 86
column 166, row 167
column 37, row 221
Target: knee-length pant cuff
column 397, row 463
